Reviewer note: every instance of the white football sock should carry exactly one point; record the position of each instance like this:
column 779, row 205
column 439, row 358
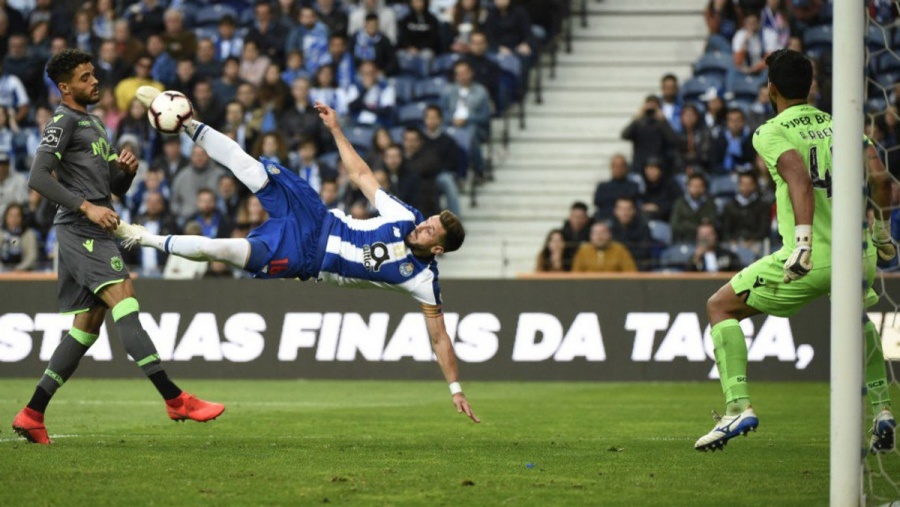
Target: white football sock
column 199, row 248
column 225, row 151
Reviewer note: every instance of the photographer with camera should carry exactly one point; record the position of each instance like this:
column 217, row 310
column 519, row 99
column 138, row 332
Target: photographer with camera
column 651, row 136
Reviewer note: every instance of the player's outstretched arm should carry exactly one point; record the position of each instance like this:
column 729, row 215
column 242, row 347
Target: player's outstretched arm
column 443, row 349
column 357, row 169
column 880, row 183
column 793, row 171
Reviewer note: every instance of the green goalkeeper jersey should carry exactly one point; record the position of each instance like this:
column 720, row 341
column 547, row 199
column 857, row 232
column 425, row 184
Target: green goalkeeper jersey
column 809, row 131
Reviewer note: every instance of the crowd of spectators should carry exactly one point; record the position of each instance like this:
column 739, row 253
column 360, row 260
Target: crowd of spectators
column 415, row 82
column 695, row 195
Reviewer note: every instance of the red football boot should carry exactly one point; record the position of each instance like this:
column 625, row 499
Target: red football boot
column 30, row 424
column 188, row 406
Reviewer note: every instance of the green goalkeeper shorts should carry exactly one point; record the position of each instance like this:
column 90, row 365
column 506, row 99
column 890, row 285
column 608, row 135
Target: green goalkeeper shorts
column 763, row 284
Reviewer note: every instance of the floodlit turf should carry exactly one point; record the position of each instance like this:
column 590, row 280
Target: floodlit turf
column 401, row 443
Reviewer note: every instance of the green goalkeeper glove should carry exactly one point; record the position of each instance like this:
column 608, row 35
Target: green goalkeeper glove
column 881, row 237
column 799, row 263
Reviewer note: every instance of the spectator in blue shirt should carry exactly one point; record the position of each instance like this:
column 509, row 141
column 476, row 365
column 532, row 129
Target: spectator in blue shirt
column 309, row 37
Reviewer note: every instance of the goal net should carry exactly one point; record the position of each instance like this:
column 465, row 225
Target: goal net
column 881, row 479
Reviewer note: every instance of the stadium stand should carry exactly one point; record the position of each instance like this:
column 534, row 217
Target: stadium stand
column 245, row 65
column 564, row 151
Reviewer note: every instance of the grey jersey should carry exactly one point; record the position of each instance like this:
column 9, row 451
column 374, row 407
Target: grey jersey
column 79, row 141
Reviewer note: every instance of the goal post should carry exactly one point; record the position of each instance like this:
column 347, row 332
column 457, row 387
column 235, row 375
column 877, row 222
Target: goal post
column 848, row 99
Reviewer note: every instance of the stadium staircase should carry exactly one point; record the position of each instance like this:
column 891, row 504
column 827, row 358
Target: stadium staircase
column 616, row 60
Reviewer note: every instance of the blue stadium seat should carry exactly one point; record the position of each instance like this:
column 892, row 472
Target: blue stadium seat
column 330, row 159
column 638, row 180
column 247, row 18
column 443, row 64
column 723, row 186
column 205, row 32
column 745, row 255
column 895, row 39
column 412, row 114
column 694, row 87
column 718, row 43
column 744, row 87
column 677, row 256
column 680, row 180
column 360, row 137
column 400, row 10
column 876, row 105
column 412, row 65
column 827, row 13
column 510, row 79
column 403, row 87
column 715, row 64
column 818, row 39
column 876, row 38
column 429, row 89
column 888, row 79
column 463, row 137
column 660, row 231
column 397, row 134
column 210, row 15
column 888, row 62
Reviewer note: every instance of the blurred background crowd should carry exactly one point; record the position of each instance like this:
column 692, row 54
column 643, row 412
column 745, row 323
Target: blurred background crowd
column 695, row 196
column 416, row 84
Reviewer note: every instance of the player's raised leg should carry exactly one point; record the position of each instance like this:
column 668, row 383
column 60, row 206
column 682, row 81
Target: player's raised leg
column 726, row 310
column 219, row 147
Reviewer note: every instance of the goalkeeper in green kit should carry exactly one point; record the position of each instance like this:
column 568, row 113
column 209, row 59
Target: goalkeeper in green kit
column 796, row 146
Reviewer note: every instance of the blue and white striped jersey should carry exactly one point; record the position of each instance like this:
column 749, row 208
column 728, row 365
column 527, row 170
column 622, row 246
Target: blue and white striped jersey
column 372, row 253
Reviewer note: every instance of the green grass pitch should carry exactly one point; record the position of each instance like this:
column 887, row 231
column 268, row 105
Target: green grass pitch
column 401, row 443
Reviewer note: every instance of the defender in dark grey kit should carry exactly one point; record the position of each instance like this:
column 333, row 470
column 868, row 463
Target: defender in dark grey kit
column 92, row 276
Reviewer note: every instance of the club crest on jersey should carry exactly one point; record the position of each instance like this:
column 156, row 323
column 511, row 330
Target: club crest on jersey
column 406, row 269
column 374, row 256
column 116, row 263
column 51, row 136
column 271, row 169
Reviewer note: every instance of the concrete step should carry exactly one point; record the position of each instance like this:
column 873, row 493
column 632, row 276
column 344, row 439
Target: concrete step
column 513, row 185
column 634, row 51
column 546, row 200
column 587, row 95
column 612, row 7
column 521, row 212
column 686, row 25
column 488, row 228
column 588, row 152
column 603, row 79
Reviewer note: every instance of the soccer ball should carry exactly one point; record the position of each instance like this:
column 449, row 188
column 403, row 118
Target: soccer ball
column 169, row 112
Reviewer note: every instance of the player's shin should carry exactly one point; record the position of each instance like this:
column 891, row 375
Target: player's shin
column 139, row 346
column 731, row 359
column 62, row 365
column 877, row 385
column 225, row 151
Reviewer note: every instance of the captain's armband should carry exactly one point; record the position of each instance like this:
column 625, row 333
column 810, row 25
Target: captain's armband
column 432, row 311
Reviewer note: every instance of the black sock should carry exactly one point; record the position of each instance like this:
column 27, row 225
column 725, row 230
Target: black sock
column 39, row 400
column 164, row 385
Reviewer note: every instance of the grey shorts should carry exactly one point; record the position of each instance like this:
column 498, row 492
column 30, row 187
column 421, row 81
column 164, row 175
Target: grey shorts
column 89, row 260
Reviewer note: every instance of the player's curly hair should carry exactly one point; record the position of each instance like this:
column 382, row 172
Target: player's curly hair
column 791, row 72
column 63, row 64
column 456, row 233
